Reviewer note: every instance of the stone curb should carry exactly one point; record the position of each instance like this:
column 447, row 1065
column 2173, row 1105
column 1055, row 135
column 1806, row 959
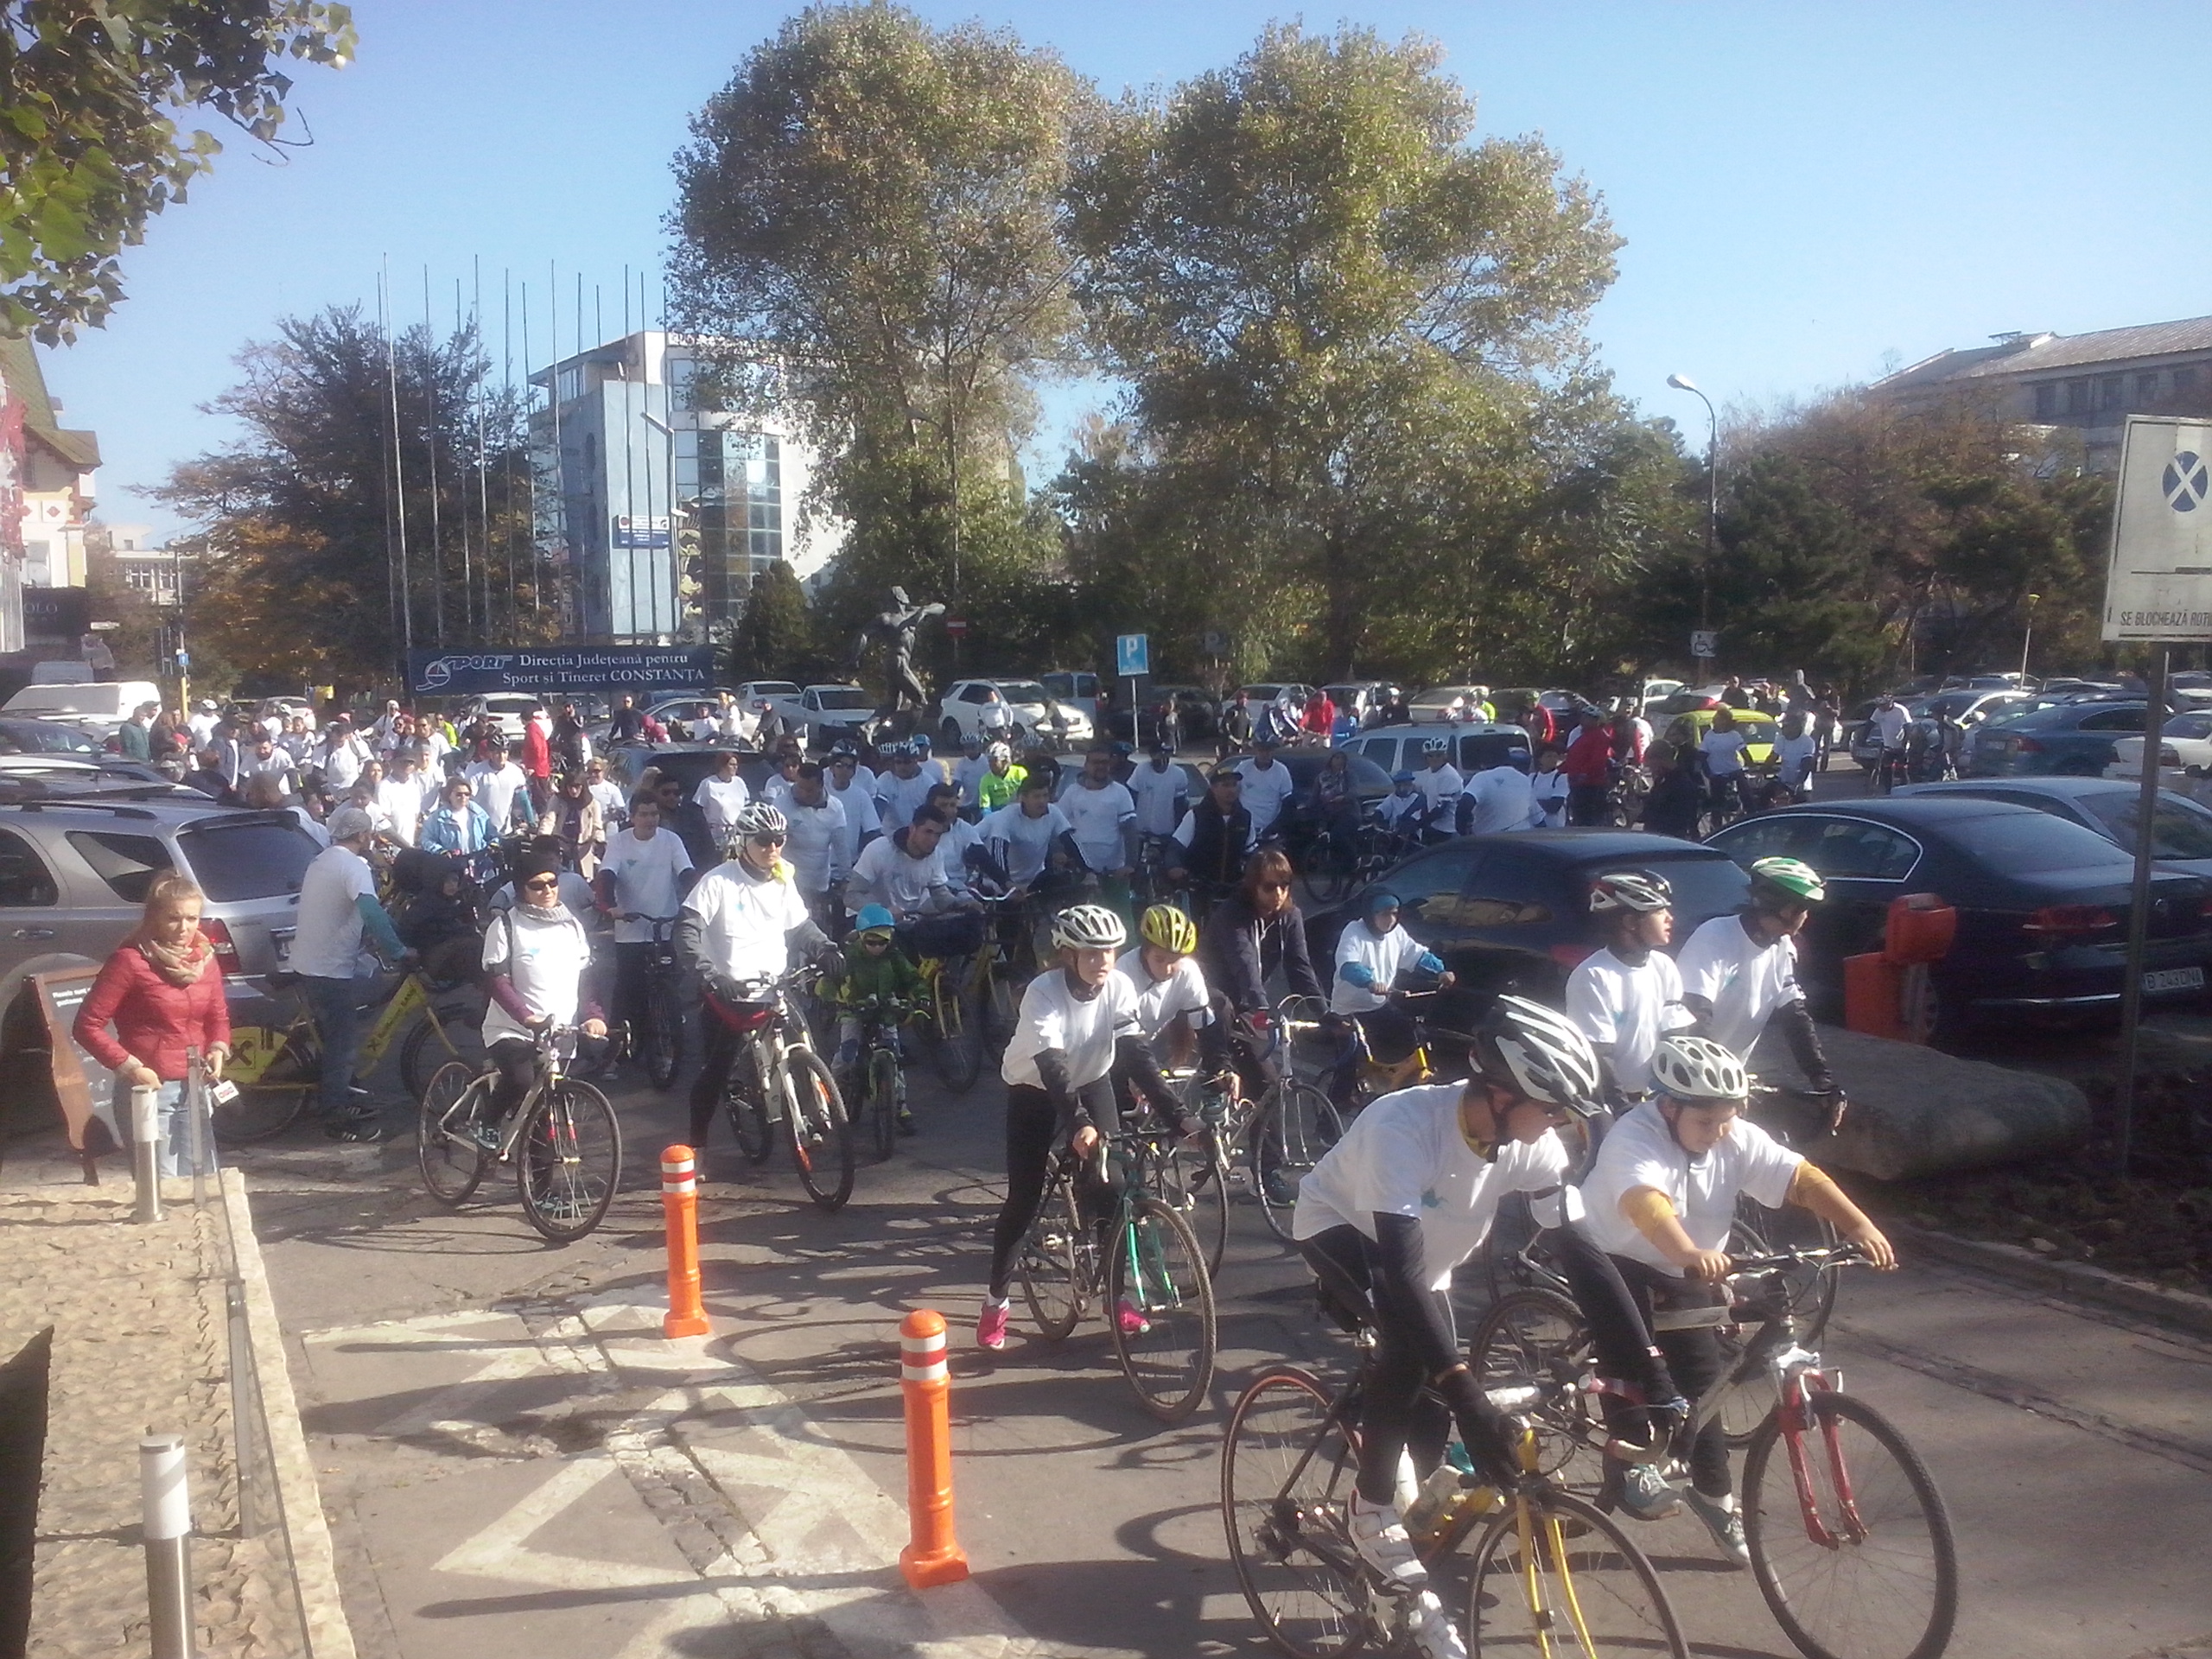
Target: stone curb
column 315, row 1562
column 2077, row 1281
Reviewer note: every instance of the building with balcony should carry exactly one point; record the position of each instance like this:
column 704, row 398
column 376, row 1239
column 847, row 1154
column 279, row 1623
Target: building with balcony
column 47, row 489
column 2089, row 382
column 664, row 513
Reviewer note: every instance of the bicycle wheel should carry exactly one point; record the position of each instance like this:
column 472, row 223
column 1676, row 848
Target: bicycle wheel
column 1001, row 1005
column 1195, row 1181
column 662, row 1039
column 1561, row 1579
column 1160, row 1307
column 440, row 1035
column 445, row 1143
column 1885, row 1588
column 1535, row 1335
column 821, row 1134
column 568, row 1161
column 267, row 1106
column 1324, row 869
column 881, row 1106
column 1055, row 1263
column 1290, row 1135
column 1287, row 1465
column 748, row 1118
column 959, row 1043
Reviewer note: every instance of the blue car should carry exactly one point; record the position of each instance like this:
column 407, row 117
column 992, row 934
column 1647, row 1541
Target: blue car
column 2074, row 740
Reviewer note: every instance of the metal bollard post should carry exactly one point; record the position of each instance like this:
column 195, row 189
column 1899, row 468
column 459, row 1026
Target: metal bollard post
column 933, row 1556
column 196, row 1102
column 167, row 1507
column 679, row 1199
column 146, row 1153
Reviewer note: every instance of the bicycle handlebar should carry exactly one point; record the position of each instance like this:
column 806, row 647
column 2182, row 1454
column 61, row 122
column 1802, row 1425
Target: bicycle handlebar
column 1821, row 1256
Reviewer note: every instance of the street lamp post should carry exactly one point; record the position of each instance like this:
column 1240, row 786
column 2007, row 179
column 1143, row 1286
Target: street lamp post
column 2028, row 634
column 1683, row 383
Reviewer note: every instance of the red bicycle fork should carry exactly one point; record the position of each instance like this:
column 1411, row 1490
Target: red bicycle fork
column 1797, row 1388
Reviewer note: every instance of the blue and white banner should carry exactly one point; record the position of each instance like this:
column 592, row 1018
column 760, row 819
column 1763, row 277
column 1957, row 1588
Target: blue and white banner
column 647, row 669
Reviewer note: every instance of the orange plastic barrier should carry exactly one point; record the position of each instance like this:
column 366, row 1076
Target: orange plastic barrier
column 1919, row 928
column 679, row 1202
column 1873, row 995
column 933, row 1556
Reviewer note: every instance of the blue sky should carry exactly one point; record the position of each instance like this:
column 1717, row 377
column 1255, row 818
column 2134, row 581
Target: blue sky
column 1810, row 193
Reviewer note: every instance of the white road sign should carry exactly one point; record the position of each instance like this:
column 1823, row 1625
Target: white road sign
column 2160, row 582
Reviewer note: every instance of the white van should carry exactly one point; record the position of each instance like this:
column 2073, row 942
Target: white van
column 105, row 699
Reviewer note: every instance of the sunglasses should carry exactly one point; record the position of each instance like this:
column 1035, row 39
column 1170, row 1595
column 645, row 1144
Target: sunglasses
column 765, row 840
column 539, row 882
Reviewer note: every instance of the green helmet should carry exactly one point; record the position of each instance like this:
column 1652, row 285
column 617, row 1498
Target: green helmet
column 1785, row 881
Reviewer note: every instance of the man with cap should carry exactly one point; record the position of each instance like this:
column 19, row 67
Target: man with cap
column 339, row 912
column 1268, row 786
column 905, row 790
column 536, row 957
column 935, row 769
column 1162, row 791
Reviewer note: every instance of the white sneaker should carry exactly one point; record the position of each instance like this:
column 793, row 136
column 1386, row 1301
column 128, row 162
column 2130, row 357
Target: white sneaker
column 1380, row 1537
column 1435, row 1636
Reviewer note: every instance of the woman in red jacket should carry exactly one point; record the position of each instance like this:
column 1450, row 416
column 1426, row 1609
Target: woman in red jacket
column 163, row 990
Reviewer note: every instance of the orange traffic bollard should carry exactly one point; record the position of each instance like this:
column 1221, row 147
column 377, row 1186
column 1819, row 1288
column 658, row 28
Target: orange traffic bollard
column 679, row 1200
column 934, row 1556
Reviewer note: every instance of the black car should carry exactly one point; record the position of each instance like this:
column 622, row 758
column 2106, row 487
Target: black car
column 1511, row 912
column 2181, row 829
column 1198, row 716
column 2042, row 902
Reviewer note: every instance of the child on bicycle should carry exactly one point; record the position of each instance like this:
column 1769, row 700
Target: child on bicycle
column 875, row 971
column 1174, row 1007
column 1660, row 1201
column 1373, row 954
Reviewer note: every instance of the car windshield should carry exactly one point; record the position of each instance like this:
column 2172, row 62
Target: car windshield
column 838, row 697
column 1021, row 690
column 2032, row 843
column 2180, row 829
column 2190, row 725
column 241, row 858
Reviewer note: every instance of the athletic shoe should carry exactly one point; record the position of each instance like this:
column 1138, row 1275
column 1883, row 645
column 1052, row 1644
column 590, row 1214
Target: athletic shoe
column 1726, row 1525
column 1435, row 1636
column 1380, row 1537
column 905, row 1121
column 1645, row 1493
column 355, row 1128
column 1133, row 1323
column 990, row 1327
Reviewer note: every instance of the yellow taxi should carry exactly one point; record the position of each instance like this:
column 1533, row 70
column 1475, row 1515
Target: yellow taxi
column 1688, row 730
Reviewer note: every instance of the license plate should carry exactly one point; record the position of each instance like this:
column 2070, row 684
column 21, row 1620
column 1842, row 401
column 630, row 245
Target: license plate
column 280, row 940
column 2174, row 979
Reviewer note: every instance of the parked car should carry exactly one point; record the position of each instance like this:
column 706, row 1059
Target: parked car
column 756, row 697
column 1068, row 685
column 2041, row 901
column 23, row 734
column 2184, row 740
column 1037, row 714
column 1363, row 700
column 105, row 702
column 1441, row 703
column 2072, row 738
column 826, row 713
column 1655, row 691
column 1970, row 708
column 1511, row 912
column 2181, row 829
column 75, row 773
column 1198, row 716
column 1298, row 824
column 508, row 709
column 1473, row 748
column 1547, row 716
column 676, row 714
column 75, row 870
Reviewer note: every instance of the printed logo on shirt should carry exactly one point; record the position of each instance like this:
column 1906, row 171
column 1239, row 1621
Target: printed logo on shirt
column 1430, row 1201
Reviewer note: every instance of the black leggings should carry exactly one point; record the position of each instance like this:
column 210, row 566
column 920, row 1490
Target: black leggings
column 1694, row 1357
column 1033, row 1134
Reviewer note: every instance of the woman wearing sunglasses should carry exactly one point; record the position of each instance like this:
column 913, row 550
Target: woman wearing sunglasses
column 1248, row 938
column 535, row 957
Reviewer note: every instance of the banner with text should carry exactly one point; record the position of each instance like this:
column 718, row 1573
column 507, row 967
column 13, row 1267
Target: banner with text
column 648, row 669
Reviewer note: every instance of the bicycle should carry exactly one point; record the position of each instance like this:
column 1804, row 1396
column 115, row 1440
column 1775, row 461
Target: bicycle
column 1334, row 865
column 1004, row 967
column 1850, row 1541
column 1376, row 1077
column 1290, row 1126
column 880, row 1071
column 1550, row 1573
column 563, row 1139
column 277, row 1068
column 659, row 1044
column 1142, row 1266
column 777, row 1078
column 956, row 1019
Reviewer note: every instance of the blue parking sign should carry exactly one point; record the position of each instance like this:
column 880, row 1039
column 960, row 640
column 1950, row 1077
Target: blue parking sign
column 1132, row 655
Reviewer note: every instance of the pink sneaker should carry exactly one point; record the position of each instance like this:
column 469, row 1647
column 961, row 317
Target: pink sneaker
column 1133, row 1323
column 990, row 1327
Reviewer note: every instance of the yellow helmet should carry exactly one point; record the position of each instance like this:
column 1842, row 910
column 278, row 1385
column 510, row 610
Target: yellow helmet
column 1167, row 927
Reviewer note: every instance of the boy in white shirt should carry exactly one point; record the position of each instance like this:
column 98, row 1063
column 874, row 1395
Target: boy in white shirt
column 1373, row 954
column 1268, row 786
column 1627, row 996
column 1025, row 836
column 1740, row 971
column 1161, row 789
column 1101, row 815
column 1440, row 785
column 643, row 876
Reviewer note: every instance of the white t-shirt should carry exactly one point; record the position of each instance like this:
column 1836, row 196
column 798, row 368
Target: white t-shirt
column 1796, row 754
column 1629, row 1008
column 496, row 788
column 646, row 879
column 1889, row 725
column 776, row 790
column 1053, row 1016
column 341, row 763
column 1096, row 816
column 1744, row 984
column 551, row 952
column 896, row 799
column 1386, row 956
column 1548, row 790
column 327, row 944
column 1440, row 786
column 401, row 799
column 1160, row 797
column 1724, row 753
column 964, row 774
column 744, row 919
column 1639, row 1150
column 815, row 845
column 952, row 852
column 859, row 802
column 721, row 801
column 613, row 806
column 1404, row 1156
column 1020, row 843
column 1162, row 1002
column 1265, row 792
column 883, row 875
column 1504, row 799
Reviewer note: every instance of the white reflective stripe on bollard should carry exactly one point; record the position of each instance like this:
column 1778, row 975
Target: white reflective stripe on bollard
column 166, row 1530
column 922, row 1359
column 167, row 1503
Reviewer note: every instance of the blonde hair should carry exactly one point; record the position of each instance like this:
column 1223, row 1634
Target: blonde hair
column 169, row 887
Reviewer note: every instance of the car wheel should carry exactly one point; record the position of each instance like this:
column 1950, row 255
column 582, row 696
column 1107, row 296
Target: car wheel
column 950, row 731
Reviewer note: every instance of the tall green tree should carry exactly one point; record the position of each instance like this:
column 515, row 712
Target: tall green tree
column 868, row 229
column 91, row 93
column 1340, row 310
column 774, row 636
column 298, row 560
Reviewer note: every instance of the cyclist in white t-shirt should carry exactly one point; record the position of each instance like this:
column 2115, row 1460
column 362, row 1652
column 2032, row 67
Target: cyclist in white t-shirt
column 1628, row 996
column 722, row 795
column 1740, row 972
column 1374, row 954
column 1101, row 817
column 1268, row 786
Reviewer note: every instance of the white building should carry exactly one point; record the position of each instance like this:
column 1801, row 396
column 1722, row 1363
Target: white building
column 622, row 424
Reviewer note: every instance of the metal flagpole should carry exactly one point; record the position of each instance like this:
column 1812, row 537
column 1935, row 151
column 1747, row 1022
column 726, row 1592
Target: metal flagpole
column 483, row 486
column 399, row 482
column 629, row 472
column 430, row 436
column 383, row 488
column 2139, row 910
column 468, row 563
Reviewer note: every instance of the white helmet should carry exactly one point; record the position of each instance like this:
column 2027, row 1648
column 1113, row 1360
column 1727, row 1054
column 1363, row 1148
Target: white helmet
column 1637, row 890
column 1435, row 746
column 998, row 754
column 1698, row 1069
column 757, row 818
column 1533, row 1051
column 1089, row 927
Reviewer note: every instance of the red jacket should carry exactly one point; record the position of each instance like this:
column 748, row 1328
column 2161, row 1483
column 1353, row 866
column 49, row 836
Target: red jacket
column 537, row 752
column 155, row 1021
column 1589, row 761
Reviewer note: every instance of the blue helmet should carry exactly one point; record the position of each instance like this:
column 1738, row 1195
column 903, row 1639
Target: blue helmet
column 874, row 918
column 1403, row 776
